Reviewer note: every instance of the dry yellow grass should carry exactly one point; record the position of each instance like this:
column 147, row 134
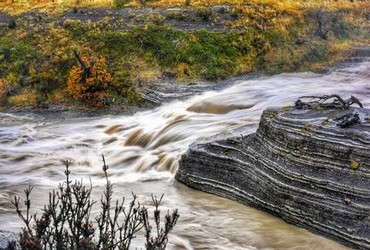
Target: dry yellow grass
column 27, row 98
column 291, row 6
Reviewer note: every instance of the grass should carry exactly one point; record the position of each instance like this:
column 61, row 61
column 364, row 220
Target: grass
column 290, row 6
column 264, row 35
column 283, row 6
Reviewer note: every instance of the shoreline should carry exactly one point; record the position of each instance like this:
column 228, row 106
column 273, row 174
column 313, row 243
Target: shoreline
column 137, row 47
column 168, row 90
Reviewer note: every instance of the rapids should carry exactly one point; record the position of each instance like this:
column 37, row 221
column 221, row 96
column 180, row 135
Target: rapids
column 142, row 151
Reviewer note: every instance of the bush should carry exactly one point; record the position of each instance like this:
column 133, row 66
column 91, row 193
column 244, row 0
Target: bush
column 65, row 222
column 120, row 3
column 205, row 13
column 87, row 81
column 343, row 29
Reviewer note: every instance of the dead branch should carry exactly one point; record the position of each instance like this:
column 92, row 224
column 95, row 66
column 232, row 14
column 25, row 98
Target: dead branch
column 86, row 69
column 316, row 102
column 348, row 120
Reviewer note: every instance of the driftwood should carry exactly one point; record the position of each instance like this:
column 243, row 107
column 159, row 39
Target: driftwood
column 348, row 120
column 320, row 102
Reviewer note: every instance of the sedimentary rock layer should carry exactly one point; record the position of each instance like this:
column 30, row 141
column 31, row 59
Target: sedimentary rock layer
column 299, row 165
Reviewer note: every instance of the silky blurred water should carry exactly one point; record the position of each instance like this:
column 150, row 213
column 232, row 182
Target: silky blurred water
column 143, row 150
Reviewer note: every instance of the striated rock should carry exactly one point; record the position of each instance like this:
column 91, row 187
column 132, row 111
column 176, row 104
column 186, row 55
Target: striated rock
column 300, row 165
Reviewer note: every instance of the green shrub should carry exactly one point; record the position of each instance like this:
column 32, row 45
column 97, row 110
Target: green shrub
column 120, row 3
column 343, row 29
column 316, row 52
column 205, row 13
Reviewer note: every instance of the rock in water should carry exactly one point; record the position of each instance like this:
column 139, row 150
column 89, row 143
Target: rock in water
column 300, row 165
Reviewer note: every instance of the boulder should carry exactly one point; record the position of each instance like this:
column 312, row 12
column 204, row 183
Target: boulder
column 301, row 165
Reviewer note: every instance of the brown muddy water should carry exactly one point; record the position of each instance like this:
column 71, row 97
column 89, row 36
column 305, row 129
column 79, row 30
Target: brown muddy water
column 143, row 150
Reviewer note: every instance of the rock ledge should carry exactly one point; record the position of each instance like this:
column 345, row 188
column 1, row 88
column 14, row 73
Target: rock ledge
column 300, row 165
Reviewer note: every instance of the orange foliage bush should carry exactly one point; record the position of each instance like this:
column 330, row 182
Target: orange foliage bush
column 2, row 89
column 89, row 89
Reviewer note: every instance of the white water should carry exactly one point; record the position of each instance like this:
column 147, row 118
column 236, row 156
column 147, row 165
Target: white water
column 142, row 152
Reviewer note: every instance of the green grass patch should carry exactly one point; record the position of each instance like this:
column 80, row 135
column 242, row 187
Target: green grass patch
column 261, row 38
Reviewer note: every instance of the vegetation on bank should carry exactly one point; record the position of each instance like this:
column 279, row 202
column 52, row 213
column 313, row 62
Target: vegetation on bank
column 94, row 63
column 65, row 222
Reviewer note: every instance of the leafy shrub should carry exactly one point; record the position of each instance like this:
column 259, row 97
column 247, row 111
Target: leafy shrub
column 87, row 80
column 205, row 13
column 176, row 15
column 16, row 59
column 65, row 222
column 132, row 96
column 76, row 28
column 316, row 52
column 343, row 29
column 8, row 86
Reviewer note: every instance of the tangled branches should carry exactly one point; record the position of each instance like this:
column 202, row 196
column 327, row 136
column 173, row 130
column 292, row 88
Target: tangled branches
column 65, row 222
column 320, row 102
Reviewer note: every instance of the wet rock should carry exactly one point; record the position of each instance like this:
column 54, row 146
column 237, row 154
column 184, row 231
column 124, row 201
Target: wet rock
column 299, row 165
column 12, row 24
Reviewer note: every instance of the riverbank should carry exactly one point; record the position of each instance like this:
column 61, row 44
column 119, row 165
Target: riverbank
column 47, row 52
column 142, row 149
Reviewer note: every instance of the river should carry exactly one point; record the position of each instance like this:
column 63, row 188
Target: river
column 142, row 151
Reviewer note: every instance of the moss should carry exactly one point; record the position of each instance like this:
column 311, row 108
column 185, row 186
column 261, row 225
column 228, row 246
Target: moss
column 285, row 109
column 355, row 164
column 307, row 127
column 308, row 130
column 271, row 114
column 319, row 107
column 357, row 136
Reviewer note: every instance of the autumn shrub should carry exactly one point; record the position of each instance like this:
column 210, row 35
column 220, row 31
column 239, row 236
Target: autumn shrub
column 65, row 221
column 88, row 80
column 3, row 90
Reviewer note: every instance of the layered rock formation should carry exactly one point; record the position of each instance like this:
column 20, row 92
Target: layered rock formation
column 300, row 165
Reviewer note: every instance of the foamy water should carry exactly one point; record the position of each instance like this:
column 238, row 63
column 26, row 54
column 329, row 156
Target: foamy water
column 143, row 150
